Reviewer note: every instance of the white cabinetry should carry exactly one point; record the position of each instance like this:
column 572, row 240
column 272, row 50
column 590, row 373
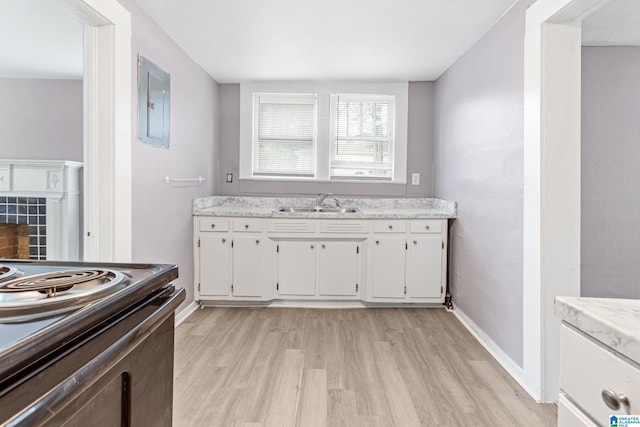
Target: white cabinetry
column 587, row 369
column 377, row 260
column 408, row 261
column 338, row 268
column 296, row 268
column 214, row 257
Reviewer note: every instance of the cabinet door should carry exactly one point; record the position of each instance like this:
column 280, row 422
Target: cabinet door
column 338, row 268
column 215, row 264
column 248, row 274
column 424, row 267
column 388, row 259
column 297, row 268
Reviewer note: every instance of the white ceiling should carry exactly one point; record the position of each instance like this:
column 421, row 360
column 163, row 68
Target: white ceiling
column 38, row 40
column 249, row 40
column 615, row 24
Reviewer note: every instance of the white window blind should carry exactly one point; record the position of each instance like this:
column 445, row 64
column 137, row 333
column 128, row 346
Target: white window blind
column 362, row 136
column 284, row 135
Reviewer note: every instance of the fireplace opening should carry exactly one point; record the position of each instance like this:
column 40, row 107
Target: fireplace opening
column 14, row 241
column 20, row 213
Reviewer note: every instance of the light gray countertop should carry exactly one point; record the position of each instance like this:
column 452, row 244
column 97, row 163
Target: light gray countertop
column 613, row 322
column 265, row 207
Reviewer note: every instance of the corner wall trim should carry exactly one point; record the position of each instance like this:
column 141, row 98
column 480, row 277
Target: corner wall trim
column 186, row 312
column 516, row 372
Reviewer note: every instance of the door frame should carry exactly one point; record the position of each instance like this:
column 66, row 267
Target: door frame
column 107, row 127
column 551, row 249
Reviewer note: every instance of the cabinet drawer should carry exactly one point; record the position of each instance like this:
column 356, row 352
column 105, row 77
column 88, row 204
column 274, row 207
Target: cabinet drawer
column 214, row 224
column 427, row 226
column 587, row 368
column 570, row 416
column 391, row 226
column 249, row 225
column 291, row 226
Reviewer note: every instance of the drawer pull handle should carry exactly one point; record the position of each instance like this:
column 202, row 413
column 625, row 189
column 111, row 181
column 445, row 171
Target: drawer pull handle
column 614, row 400
column 391, row 227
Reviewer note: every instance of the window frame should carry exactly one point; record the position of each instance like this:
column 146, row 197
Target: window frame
column 323, row 90
column 284, row 98
column 333, row 137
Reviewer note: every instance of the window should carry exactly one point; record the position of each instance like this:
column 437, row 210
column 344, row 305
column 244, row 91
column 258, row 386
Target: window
column 362, row 139
column 284, row 133
column 324, row 131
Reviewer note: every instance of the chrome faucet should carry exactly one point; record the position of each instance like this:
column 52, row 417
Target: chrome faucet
column 320, row 199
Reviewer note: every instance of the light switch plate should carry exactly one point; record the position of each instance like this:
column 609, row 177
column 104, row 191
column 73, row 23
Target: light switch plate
column 415, row 179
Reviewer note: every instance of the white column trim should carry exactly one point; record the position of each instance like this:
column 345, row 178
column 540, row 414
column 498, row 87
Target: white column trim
column 551, row 180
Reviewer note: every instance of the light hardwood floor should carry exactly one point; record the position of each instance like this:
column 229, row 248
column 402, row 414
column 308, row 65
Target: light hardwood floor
column 341, row 367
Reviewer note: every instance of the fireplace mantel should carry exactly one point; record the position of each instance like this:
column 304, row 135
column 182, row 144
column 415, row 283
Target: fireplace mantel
column 58, row 182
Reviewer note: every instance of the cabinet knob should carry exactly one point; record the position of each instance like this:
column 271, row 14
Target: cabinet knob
column 246, row 226
column 213, row 226
column 257, row 242
column 377, row 242
column 224, row 240
column 614, row 400
column 415, row 242
column 312, row 247
column 426, row 227
column 323, row 246
column 391, row 227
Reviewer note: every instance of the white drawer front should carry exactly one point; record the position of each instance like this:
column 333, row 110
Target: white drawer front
column 587, row 368
column 391, row 226
column 291, row 226
column 570, row 416
column 344, row 226
column 427, row 226
column 214, row 224
column 249, row 225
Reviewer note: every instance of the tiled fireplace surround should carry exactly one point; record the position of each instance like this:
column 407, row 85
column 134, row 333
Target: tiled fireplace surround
column 42, row 195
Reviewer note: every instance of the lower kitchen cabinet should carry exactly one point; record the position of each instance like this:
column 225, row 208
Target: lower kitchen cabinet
column 247, row 266
column 424, row 267
column 380, row 261
column 387, row 266
column 331, row 265
column 215, row 264
column 338, row 268
column 296, row 268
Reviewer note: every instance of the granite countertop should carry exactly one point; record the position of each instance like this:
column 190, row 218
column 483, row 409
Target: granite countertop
column 265, row 207
column 613, row 322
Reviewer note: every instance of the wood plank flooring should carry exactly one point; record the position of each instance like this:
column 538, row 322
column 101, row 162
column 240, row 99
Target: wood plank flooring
column 341, row 367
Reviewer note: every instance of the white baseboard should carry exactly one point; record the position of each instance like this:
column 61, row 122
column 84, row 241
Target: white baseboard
column 494, row 350
column 186, row 312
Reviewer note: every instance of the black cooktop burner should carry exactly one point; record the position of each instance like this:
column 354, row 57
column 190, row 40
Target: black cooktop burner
column 56, row 282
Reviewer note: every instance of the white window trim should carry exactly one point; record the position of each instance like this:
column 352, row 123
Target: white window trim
column 359, row 98
column 323, row 90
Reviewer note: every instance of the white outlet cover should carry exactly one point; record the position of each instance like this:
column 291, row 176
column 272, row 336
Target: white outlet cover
column 415, row 179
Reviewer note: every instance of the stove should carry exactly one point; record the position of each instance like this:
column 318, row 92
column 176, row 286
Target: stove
column 86, row 340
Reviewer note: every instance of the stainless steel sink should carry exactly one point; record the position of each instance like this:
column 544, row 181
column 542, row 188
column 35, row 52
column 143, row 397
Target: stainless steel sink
column 318, row 210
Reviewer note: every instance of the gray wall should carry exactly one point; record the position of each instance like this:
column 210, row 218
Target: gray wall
column 478, row 151
column 610, row 240
column 419, row 153
column 162, row 225
column 41, row 119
